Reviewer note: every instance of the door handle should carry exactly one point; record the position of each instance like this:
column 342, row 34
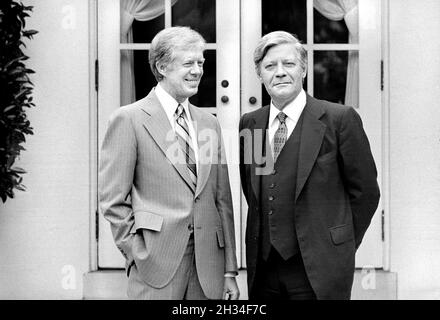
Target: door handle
column 252, row 100
column 225, row 99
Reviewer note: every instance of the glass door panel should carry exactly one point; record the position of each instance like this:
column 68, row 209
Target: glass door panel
column 200, row 15
column 290, row 16
column 144, row 31
column 328, row 31
column 330, row 75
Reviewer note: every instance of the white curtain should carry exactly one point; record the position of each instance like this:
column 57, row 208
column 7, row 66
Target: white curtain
column 141, row 10
column 348, row 10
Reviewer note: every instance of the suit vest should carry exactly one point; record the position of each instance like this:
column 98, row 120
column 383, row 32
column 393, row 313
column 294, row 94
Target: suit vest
column 277, row 200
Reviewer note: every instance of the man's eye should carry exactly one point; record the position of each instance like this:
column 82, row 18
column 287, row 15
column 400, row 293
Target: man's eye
column 290, row 64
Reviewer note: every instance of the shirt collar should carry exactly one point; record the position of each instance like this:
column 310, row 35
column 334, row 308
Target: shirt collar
column 170, row 104
column 293, row 110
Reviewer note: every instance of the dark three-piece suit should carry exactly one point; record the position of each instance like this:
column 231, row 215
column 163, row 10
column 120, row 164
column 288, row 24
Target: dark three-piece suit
column 316, row 200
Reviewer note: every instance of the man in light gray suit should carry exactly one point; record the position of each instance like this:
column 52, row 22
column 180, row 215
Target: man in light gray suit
column 164, row 186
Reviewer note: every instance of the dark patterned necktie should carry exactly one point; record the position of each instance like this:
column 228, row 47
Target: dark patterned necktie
column 184, row 138
column 280, row 136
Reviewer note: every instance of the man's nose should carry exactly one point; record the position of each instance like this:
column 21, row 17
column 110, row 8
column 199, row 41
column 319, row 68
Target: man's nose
column 279, row 71
column 196, row 69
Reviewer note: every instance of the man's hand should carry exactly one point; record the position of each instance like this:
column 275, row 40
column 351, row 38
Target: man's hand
column 230, row 291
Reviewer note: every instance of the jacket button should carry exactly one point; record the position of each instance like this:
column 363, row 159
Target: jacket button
column 270, row 212
column 271, row 198
column 272, row 185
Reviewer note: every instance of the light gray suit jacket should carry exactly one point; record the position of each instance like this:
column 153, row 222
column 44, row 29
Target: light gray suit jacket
column 145, row 193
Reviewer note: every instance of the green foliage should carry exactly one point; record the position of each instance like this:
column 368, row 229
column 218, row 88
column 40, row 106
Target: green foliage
column 15, row 94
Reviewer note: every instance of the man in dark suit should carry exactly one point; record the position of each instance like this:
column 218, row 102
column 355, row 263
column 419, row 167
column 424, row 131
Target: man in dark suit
column 309, row 179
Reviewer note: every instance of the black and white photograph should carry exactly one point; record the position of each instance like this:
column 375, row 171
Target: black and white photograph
column 249, row 150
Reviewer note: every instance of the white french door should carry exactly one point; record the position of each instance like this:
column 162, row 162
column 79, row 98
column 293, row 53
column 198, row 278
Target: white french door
column 230, row 87
column 344, row 61
column 125, row 75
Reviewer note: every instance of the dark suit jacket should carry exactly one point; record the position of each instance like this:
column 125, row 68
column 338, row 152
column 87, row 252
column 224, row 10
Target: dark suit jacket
column 336, row 193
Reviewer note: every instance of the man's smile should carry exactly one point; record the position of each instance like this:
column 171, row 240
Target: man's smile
column 192, row 81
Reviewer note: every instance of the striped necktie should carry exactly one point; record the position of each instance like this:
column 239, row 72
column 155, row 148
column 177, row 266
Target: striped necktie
column 184, row 138
column 280, row 136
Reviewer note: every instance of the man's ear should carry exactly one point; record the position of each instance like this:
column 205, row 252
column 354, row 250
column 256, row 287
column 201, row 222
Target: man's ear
column 161, row 68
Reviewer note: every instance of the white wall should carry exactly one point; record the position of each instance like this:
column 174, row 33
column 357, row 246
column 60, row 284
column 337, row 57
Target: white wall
column 46, row 228
column 415, row 147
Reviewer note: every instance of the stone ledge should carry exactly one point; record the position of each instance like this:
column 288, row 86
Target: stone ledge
column 368, row 285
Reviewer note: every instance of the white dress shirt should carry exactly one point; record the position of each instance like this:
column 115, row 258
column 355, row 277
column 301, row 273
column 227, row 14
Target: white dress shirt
column 169, row 105
column 293, row 111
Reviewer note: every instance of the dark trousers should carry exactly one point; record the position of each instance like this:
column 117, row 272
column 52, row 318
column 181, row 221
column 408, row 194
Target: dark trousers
column 279, row 279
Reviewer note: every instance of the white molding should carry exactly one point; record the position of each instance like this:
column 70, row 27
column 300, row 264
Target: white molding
column 93, row 135
column 168, row 15
column 250, row 86
column 310, row 47
column 134, row 46
column 146, row 46
column 370, row 109
column 109, row 99
column 386, row 134
column 332, row 46
column 228, row 114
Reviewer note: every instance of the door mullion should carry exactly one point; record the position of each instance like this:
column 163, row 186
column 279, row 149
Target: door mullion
column 310, row 43
column 167, row 13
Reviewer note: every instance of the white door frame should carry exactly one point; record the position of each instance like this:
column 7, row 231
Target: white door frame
column 93, row 101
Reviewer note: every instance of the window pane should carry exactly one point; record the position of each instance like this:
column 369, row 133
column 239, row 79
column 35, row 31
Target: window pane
column 328, row 31
column 143, row 77
column 206, row 96
column 141, row 20
column 197, row 14
column 330, row 75
column 144, row 31
column 136, row 78
column 290, row 16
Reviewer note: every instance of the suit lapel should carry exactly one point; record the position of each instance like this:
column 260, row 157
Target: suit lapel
column 204, row 148
column 157, row 124
column 258, row 149
column 312, row 134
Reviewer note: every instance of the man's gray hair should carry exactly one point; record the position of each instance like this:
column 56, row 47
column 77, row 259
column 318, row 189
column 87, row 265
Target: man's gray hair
column 169, row 40
column 276, row 38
